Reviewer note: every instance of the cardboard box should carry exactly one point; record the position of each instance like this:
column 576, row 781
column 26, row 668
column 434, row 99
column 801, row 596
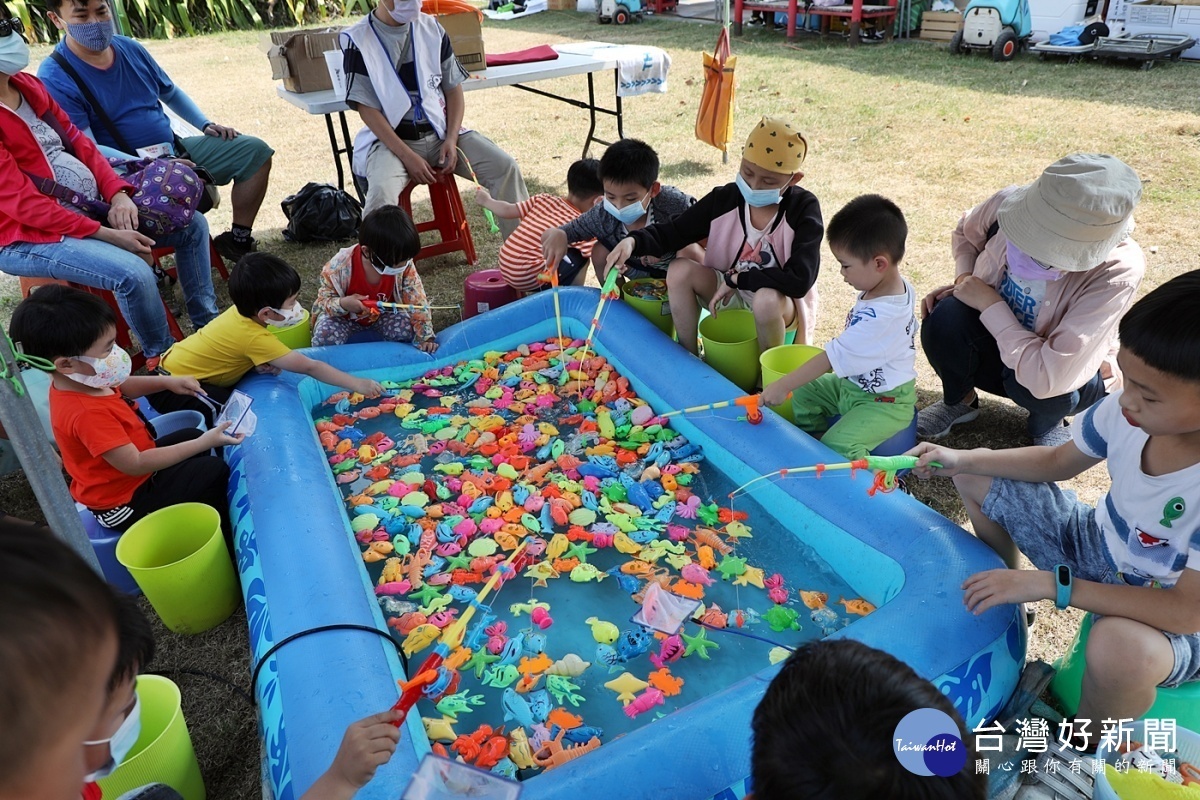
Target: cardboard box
column 298, row 58
column 561, row 5
column 466, row 37
column 940, row 26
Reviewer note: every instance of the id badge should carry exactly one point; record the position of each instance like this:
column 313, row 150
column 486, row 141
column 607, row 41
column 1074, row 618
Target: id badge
column 156, row 151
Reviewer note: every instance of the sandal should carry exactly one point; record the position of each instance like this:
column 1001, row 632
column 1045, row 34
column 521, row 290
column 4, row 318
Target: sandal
column 1059, row 782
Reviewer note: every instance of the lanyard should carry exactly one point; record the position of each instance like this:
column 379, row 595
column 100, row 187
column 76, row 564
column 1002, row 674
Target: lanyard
column 414, row 96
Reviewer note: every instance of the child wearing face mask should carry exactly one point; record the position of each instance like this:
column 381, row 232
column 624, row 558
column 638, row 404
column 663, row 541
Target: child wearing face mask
column 633, row 199
column 379, row 269
column 264, row 291
column 764, row 243
column 117, row 468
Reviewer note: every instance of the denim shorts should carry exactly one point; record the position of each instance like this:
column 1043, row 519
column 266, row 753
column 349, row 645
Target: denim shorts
column 1051, row 526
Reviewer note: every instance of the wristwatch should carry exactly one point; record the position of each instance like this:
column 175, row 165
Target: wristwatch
column 1062, row 584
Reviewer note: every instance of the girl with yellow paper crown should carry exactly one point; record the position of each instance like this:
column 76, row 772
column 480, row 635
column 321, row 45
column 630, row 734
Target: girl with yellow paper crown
column 764, row 243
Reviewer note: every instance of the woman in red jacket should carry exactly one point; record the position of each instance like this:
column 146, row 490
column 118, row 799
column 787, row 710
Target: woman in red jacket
column 40, row 237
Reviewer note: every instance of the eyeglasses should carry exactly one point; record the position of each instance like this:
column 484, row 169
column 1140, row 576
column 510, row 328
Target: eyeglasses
column 10, row 25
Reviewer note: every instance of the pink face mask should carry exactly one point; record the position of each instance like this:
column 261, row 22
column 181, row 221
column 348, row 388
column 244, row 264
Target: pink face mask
column 1026, row 268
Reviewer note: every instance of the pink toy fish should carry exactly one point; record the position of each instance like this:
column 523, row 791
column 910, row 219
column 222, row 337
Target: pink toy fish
column 490, row 525
column 677, row 533
column 348, row 477
column 603, row 539
column 694, row 573
column 393, row 588
column 448, row 549
column 540, row 617
column 778, row 596
column 644, row 702
column 670, row 650
column 443, row 618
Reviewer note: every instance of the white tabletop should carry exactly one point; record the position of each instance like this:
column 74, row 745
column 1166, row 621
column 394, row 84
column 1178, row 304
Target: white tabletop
column 575, row 58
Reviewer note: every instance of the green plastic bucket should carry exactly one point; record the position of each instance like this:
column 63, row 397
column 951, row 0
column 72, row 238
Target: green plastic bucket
column 1181, row 703
column 295, row 336
column 779, row 361
column 178, row 556
column 731, row 346
column 657, row 311
column 163, row 752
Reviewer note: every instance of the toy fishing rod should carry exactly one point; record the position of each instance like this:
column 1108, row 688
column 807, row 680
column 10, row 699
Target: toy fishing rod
column 388, row 306
column 449, row 642
column 553, row 279
column 607, row 291
column 487, row 212
column 750, row 402
column 884, row 467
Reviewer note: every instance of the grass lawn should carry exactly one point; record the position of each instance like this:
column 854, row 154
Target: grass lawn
column 935, row 133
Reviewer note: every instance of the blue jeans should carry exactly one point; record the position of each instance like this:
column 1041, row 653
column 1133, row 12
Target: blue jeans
column 963, row 352
column 94, row 263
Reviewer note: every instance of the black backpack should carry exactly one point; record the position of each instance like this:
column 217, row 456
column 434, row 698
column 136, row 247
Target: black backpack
column 321, row 213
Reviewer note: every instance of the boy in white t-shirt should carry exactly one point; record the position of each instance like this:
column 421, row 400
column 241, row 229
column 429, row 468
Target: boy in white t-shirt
column 1134, row 559
column 873, row 362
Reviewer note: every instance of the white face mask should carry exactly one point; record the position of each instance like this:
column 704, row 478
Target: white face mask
column 404, row 11
column 112, row 370
column 383, row 269
column 291, row 316
column 120, row 743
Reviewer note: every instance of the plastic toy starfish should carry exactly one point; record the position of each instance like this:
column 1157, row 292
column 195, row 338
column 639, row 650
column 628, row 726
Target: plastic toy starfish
column 699, row 644
column 751, row 576
column 580, row 550
column 426, row 593
column 479, row 661
column 460, row 561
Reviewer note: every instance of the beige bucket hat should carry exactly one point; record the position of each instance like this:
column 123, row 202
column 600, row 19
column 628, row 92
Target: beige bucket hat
column 1075, row 213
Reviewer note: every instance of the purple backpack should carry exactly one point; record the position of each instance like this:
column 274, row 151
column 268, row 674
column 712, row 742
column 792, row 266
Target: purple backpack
column 167, row 192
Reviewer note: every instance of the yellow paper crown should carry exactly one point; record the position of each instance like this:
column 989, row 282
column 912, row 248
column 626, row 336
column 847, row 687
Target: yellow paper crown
column 775, row 146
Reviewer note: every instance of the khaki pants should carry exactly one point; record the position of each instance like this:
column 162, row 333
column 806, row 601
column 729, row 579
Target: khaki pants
column 495, row 169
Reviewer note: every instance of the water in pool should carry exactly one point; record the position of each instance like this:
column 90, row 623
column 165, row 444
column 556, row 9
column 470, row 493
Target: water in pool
column 449, row 473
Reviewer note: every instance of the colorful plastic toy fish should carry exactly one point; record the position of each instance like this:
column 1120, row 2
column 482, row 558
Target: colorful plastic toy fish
column 857, row 606
column 644, row 702
column 626, row 686
column 603, row 632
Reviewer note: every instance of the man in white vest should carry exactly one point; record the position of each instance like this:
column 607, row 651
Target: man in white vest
column 406, row 83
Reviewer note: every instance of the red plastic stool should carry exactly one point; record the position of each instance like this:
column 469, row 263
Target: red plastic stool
column 485, row 290
column 213, row 256
column 449, row 219
column 123, row 338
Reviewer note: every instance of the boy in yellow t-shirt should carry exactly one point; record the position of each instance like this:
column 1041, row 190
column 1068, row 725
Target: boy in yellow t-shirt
column 263, row 289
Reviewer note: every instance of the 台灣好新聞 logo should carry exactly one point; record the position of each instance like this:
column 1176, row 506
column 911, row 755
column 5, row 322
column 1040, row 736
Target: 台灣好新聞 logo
column 927, row 742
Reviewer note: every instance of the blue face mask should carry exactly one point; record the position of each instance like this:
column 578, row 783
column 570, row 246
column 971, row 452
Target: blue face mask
column 627, row 215
column 120, row 743
column 757, row 197
column 95, row 36
column 14, row 54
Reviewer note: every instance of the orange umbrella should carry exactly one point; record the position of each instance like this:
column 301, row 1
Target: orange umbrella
column 714, row 122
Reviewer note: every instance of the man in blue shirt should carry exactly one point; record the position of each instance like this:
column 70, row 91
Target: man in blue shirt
column 132, row 85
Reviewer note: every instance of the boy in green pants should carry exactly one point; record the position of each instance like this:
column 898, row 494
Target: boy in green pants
column 873, row 361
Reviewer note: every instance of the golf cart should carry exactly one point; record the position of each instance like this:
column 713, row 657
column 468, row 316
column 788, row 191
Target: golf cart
column 1001, row 26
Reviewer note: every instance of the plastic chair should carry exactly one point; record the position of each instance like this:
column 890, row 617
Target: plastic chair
column 123, row 337
column 104, row 542
column 449, row 219
column 213, row 256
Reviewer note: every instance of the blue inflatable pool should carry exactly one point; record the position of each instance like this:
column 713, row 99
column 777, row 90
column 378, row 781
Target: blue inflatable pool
column 301, row 569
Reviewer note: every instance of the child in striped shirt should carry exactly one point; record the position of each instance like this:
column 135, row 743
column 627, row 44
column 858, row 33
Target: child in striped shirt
column 521, row 260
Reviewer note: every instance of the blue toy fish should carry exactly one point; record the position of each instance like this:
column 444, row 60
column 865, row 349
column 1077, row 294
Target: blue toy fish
column 544, row 518
column 633, row 643
column 534, row 643
column 463, row 594
column 608, row 656
column 596, row 470
column 580, row 735
column 516, row 708
column 445, row 533
column 353, row 434
column 475, row 637
column 412, row 512
column 435, row 566
column 481, row 504
column 643, row 537
column 520, row 493
column 628, row 583
column 505, row 768
column 540, row 705
column 512, row 650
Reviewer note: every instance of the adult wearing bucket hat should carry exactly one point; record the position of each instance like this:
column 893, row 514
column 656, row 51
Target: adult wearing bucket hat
column 1043, row 274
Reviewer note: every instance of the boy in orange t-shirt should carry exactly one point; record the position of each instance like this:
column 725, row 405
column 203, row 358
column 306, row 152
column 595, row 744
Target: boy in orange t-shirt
column 117, row 468
column 521, row 259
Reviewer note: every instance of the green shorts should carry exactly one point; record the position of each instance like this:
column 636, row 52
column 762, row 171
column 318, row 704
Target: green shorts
column 228, row 160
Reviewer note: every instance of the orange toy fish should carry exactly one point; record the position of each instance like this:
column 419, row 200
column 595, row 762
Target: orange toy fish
column 814, row 600
column 533, row 666
column 685, row 589
column 704, row 555
column 857, row 606
column 564, row 719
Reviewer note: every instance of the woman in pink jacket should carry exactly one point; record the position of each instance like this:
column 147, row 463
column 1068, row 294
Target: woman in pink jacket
column 40, row 237
column 1044, row 273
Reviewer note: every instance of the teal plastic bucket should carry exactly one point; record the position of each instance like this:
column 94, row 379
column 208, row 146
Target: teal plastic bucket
column 731, row 346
